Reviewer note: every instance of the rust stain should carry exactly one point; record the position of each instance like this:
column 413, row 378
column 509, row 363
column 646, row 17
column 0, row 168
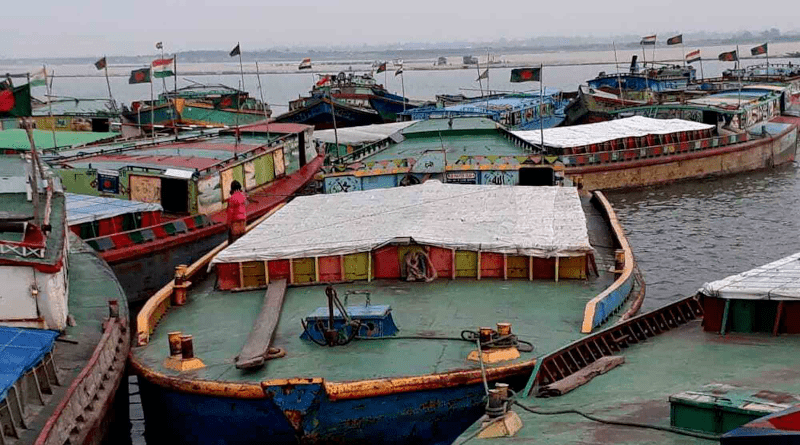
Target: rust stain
column 777, row 397
column 295, row 418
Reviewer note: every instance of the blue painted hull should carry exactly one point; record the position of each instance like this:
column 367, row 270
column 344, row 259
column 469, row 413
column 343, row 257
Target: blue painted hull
column 639, row 83
column 318, row 114
column 430, row 417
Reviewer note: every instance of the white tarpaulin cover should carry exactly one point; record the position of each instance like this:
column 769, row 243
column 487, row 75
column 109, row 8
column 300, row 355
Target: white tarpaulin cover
column 362, row 134
column 538, row 221
column 85, row 208
column 600, row 132
column 779, row 280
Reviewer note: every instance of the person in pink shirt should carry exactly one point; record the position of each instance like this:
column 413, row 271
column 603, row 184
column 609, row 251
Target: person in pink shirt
column 237, row 212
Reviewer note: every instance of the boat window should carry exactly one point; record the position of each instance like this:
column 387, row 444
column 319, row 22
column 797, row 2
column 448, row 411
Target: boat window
column 536, row 176
column 174, row 195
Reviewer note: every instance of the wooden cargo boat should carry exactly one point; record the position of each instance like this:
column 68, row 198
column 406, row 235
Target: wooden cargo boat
column 432, row 261
column 190, row 181
column 357, row 100
column 198, row 105
column 719, row 366
column 722, row 133
column 64, row 334
column 514, row 111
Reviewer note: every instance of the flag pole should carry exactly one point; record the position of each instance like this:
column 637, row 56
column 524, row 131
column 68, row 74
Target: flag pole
column 403, row 86
column 683, row 50
column 767, row 54
column 108, row 84
column 175, row 92
column 49, row 88
column 541, row 104
column 619, row 76
column 163, row 80
column 333, row 115
column 654, row 49
column 152, row 109
column 702, row 75
column 480, row 81
column 261, row 93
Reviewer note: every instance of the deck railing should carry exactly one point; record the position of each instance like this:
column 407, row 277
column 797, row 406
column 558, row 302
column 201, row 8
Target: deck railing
column 147, row 234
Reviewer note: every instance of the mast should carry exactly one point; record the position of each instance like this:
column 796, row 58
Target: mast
column 403, row 86
column 541, row 103
column 333, row 114
column 34, row 175
column 261, row 93
column 619, row 76
column 49, row 88
column 108, row 84
column 480, row 81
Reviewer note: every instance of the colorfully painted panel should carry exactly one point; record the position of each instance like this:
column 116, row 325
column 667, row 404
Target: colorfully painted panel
column 227, row 275
column 491, row 265
column 466, row 263
column 330, row 269
column 442, row 260
column 225, row 178
column 209, row 195
column 249, row 175
column 304, row 269
column 265, row 170
column 517, row 266
column 342, row 184
column 572, row 267
column 355, row 266
column 253, row 274
column 280, row 165
column 145, row 188
column 386, row 262
column 278, row 269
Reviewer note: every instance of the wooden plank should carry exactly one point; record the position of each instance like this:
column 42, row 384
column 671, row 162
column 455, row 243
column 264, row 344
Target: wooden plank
column 256, row 348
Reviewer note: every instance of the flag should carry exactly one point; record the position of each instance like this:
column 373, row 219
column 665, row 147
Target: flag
column 163, row 67
column 675, row 40
column 305, row 64
column 39, row 78
column 399, row 71
column 730, row 56
column 693, row 56
column 142, row 75
column 526, row 74
column 323, row 80
column 100, row 64
column 236, row 51
column 648, row 40
column 382, row 67
column 758, row 50
column 484, row 75
column 159, row 45
column 16, row 102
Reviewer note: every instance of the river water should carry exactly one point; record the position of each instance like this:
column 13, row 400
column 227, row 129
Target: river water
column 682, row 234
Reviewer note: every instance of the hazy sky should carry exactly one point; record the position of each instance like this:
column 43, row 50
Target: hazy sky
column 49, row 28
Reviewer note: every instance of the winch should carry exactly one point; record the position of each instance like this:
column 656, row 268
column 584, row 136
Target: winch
column 338, row 324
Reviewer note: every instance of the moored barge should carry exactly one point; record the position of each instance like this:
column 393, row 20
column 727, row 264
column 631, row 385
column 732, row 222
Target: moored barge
column 189, row 182
column 422, row 267
column 64, row 334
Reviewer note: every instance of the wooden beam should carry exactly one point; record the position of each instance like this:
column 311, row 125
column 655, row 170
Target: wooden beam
column 369, row 266
column 556, row 268
column 341, row 268
column 257, row 347
column 453, row 262
column 778, row 315
column 316, row 269
column 478, row 272
column 266, row 272
column 291, row 271
column 530, row 267
column 505, row 266
column 241, row 275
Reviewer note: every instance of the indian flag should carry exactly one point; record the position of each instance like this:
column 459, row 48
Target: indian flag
column 163, row 67
column 305, row 64
column 648, row 40
column 39, row 78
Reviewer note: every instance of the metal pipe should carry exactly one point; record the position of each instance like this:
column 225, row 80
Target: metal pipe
column 174, row 339
column 187, row 348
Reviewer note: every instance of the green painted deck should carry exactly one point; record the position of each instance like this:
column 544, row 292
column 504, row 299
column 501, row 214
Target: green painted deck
column 546, row 313
column 17, row 139
column 684, row 359
column 456, row 145
column 91, row 285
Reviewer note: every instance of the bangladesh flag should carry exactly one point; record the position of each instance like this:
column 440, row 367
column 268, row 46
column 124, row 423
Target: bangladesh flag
column 526, row 74
column 758, row 50
column 141, row 75
column 730, row 56
column 382, row 67
column 16, row 102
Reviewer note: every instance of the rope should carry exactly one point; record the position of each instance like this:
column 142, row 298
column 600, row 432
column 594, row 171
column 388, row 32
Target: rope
column 666, row 429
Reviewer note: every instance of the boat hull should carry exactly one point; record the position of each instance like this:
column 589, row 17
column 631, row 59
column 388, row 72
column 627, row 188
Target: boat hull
column 319, row 115
column 304, row 414
column 736, row 158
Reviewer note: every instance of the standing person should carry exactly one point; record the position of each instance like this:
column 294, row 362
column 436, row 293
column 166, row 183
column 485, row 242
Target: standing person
column 237, row 212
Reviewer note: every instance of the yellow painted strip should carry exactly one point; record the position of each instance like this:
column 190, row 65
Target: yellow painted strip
column 150, row 314
column 588, row 313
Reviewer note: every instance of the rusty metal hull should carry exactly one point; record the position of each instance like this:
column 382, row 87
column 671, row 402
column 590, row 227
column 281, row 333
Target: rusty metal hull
column 746, row 156
column 304, row 414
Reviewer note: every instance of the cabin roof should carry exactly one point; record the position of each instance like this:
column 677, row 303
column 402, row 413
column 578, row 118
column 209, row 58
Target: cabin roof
column 536, row 221
column 75, row 106
column 597, row 133
column 733, row 98
column 364, row 134
column 779, row 280
column 87, row 208
column 17, row 139
column 275, row 127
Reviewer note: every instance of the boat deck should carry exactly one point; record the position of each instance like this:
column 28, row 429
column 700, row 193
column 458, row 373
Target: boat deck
column 91, row 286
column 544, row 312
column 684, row 359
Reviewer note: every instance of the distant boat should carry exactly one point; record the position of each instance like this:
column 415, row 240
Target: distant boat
column 793, row 54
column 357, row 100
column 198, row 105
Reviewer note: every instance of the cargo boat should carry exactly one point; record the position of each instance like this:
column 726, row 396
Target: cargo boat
column 63, row 321
column 357, row 100
column 189, row 180
column 198, row 105
column 519, row 111
column 721, row 365
column 421, row 266
column 722, row 133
